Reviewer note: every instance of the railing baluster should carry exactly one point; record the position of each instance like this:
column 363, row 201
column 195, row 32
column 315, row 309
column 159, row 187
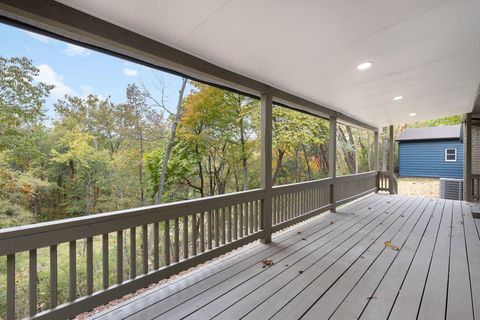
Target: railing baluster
column 145, row 248
column 72, row 287
column 295, row 204
column 194, row 234
column 274, row 210
column 119, row 256
column 133, row 252
column 202, row 231
column 166, row 243
column 156, row 262
column 32, row 282
column 185, row 237
column 209, row 229
column 235, row 222
column 223, row 225
column 177, row 240
column 229, row 223
column 11, row 287
column 217, row 228
column 250, row 212
column 247, row 217
column 255, row 209
column 89, row 265
column 53, row 276
column 240, row 217
column 304, row 198
column 289, row 206
column 105, row 256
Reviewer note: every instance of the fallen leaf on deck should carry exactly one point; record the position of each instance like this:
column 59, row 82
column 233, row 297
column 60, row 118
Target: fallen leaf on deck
column 371, row 297
column 389, row 244
column 304, row 239
column 299, row 232
column 300, row 271
column 331, row 222
column 267, row 262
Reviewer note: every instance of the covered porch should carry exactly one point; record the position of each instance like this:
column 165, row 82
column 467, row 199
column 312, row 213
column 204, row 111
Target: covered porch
column 383, row 256
column 338, row 247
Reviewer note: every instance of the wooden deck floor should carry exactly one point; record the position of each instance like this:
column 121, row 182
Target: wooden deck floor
column 337, row 266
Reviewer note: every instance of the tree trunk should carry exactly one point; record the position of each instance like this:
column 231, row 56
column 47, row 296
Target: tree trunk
column 280, row 154
column 244, row 155
column 171, row 140
column 309, row 171
column 348, row 154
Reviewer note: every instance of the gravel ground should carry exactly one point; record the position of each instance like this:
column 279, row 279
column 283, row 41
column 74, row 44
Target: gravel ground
column 422, row 187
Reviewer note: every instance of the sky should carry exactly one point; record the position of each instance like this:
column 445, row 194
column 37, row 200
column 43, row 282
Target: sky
column 78, row 71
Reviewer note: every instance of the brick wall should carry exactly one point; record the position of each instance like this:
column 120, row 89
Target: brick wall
column 475, row 153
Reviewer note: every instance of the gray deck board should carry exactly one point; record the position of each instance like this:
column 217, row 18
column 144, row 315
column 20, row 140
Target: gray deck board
column 459, row 301
column 386, row 269
column 346, row 270
column 406, row 297
column 293, row 281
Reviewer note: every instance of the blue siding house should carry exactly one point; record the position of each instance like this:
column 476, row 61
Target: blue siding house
column 431, row 152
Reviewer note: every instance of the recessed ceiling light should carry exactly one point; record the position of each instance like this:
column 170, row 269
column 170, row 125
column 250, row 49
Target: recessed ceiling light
column 364, row 65
column 396, row 98
column 413, row 114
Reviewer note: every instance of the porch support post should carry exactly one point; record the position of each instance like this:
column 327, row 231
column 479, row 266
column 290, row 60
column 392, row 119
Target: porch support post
column 468, row 158
column 266, row 165
column 332, row 161
column 391, row 154
column 376, row 159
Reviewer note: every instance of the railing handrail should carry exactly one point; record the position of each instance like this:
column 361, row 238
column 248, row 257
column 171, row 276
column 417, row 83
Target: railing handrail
column 117, row 220
column 324, row 181
column 278, row 189
column 356, row 176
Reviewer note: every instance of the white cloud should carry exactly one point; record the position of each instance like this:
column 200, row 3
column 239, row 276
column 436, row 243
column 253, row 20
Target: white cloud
column 50, row 77
column 130, row 72
column 74, row 50
column 38, row 37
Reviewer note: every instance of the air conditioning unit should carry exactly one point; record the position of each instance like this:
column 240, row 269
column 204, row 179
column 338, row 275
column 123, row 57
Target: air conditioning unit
column 451, row 189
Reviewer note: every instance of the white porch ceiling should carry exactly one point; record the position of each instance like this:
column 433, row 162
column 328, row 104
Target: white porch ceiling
column 425, row 50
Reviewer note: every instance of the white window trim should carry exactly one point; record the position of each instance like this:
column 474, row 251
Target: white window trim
column 447, row 160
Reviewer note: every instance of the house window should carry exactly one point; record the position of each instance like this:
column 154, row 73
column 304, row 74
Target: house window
column 451, row 155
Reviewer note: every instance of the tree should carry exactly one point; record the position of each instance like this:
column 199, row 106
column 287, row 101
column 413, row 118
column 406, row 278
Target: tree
column 138, row 117
column 21, row 109
column 292, row 131
column 99, row 117
column 175, row 118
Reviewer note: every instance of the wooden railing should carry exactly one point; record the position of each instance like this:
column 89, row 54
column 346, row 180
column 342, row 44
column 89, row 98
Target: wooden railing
column 384, row 182
column 132, row 249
